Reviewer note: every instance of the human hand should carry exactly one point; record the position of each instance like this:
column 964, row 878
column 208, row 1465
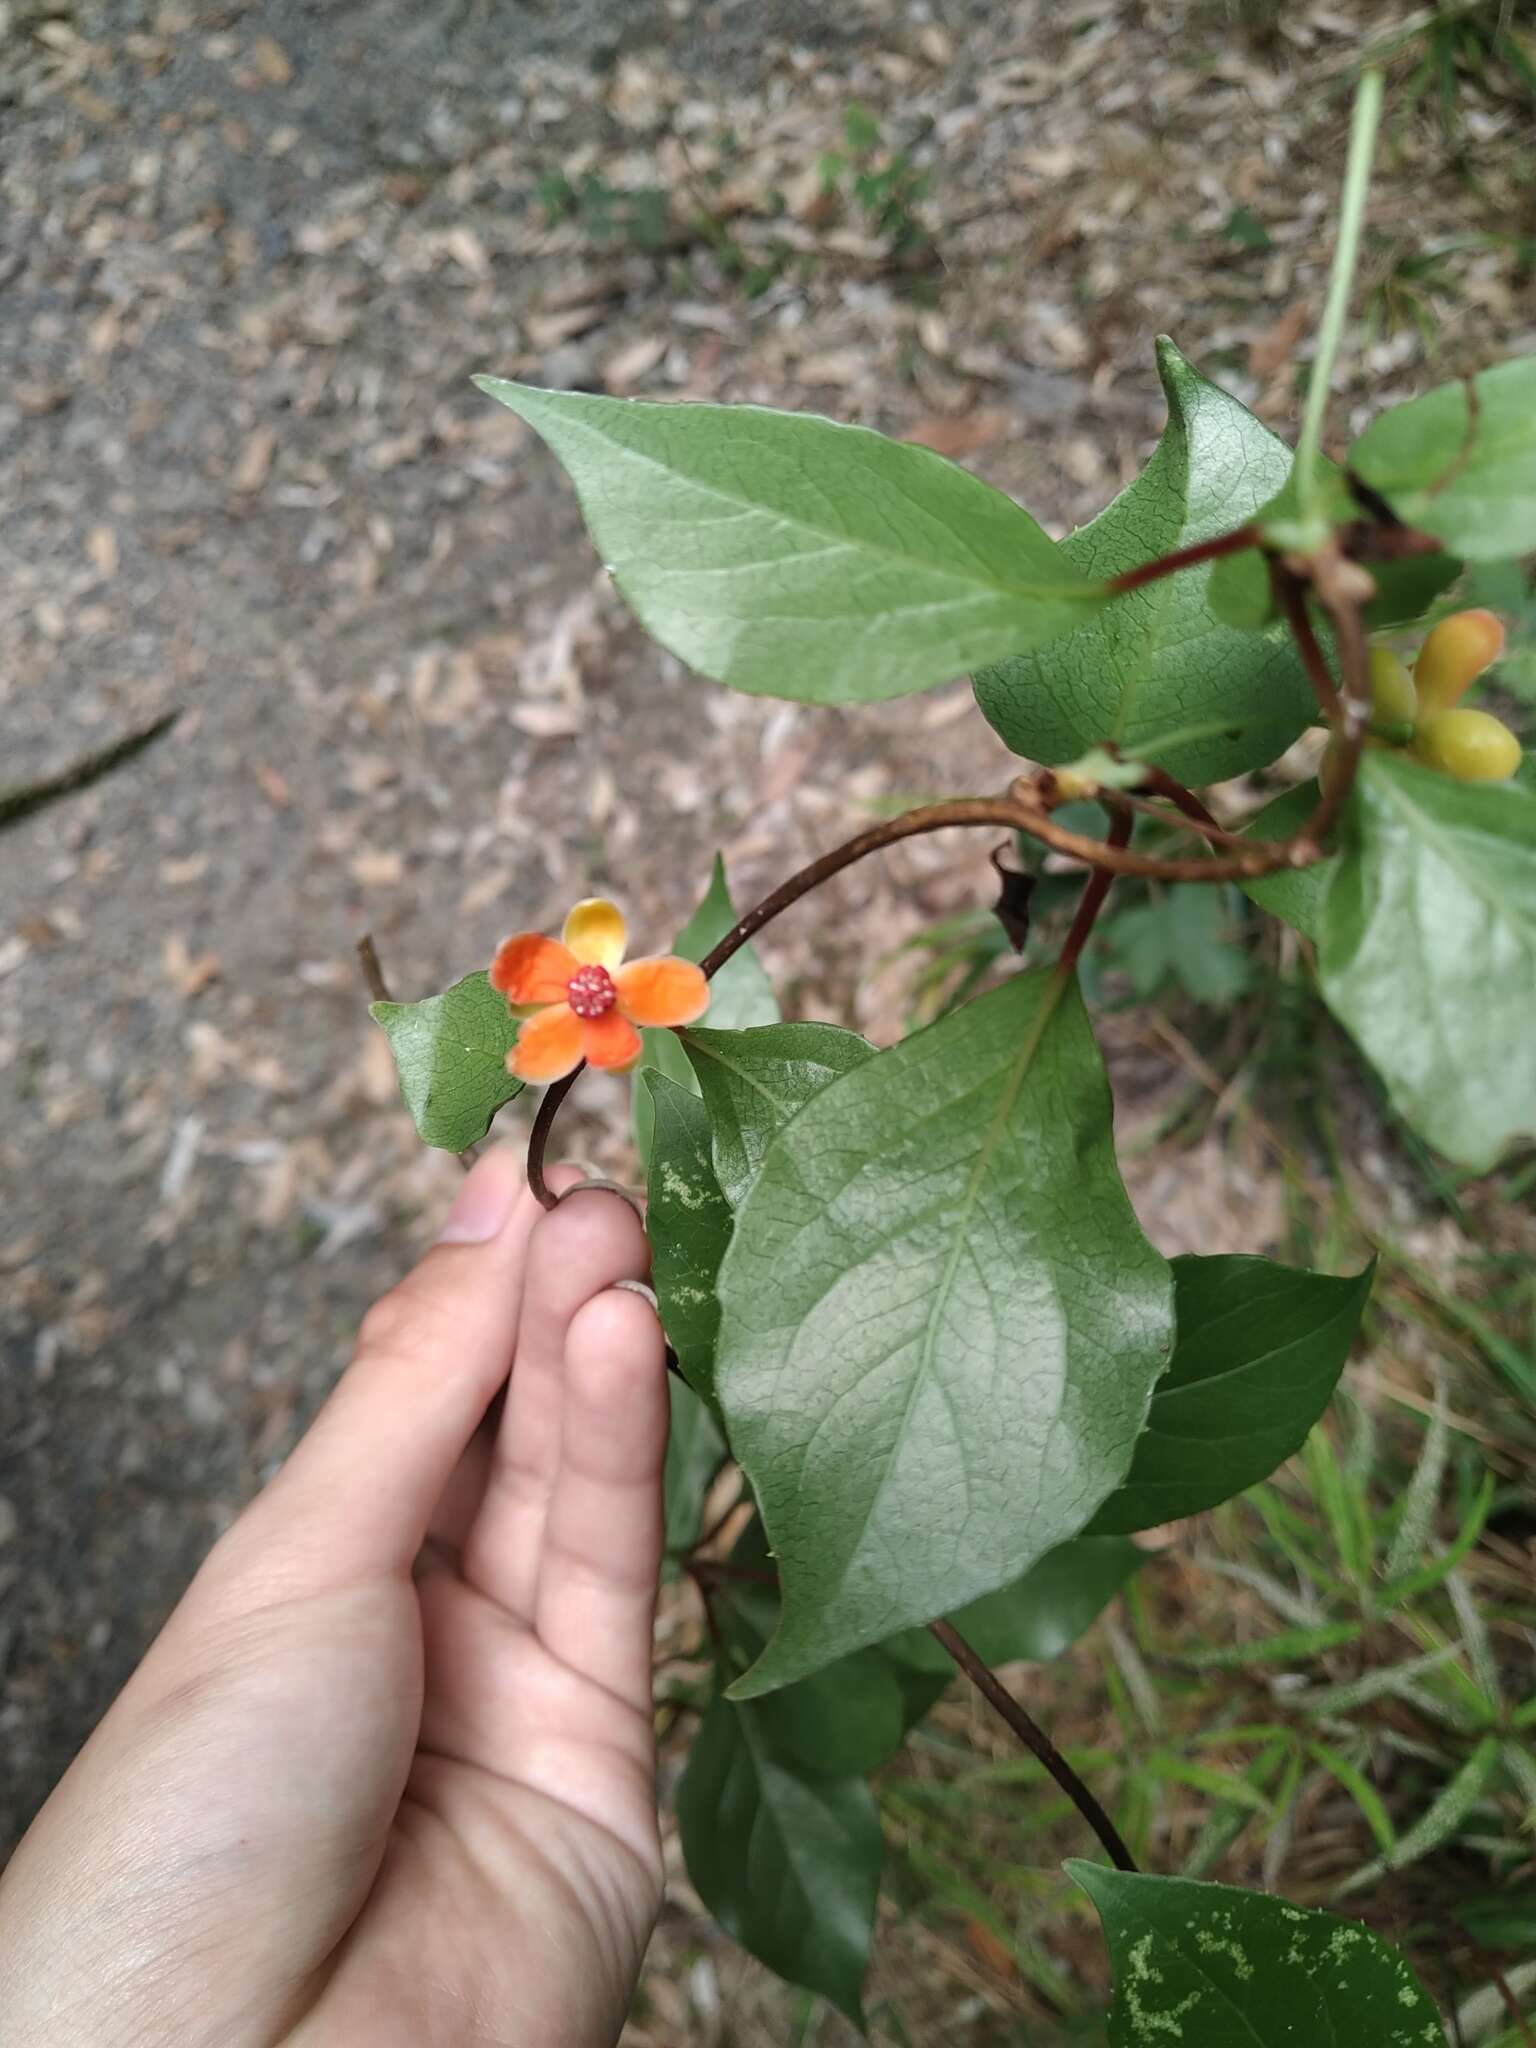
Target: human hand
column 387, row 1775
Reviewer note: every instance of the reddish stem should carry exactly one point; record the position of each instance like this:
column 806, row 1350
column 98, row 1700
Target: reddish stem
column 1185, row 558
column 1096, row 888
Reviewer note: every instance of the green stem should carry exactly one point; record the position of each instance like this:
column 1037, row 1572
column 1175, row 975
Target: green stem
column 1357, row 179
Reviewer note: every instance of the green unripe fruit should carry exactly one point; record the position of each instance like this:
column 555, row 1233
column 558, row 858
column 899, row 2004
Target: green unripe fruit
column 1394, row 700
column 1470, row 746
column 1454, row 656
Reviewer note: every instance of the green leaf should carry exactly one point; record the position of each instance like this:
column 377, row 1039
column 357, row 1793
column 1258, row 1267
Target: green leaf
column 739, row 995
column 788, row 1863
column 1504, row 1919
column 1427, row 951
column 792, row 557
column 1405, row 589
column 841, row 1721
column 451, row 1055
column 941, row 1323
column 1239, row 592
column 688, row 1222
column 1259, row 1351
column 1186, row 934
column 1159, row 659
column 1035, row 1618
column 1465, row 474
column 1210, row 1966
column 754, row 1081
column 695, row 1449
column 1294, row 895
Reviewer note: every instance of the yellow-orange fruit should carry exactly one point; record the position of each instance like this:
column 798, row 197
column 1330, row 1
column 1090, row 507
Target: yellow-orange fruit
column 1454, row 656
column 1471, row 746
column 1394, row 701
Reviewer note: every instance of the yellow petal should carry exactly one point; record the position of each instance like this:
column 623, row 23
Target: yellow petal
column 596, row 933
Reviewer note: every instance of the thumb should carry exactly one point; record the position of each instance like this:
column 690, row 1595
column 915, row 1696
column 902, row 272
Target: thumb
column 355, row 1497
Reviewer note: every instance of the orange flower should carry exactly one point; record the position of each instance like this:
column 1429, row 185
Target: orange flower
column 580, row 1003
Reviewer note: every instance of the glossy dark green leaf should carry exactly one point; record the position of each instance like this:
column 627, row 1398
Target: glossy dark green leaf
column 1159, row 661
column 1210, row 1966
column 1035, row 1618
column 1427, row 951
column 1461, row 465
column 754, row 1081
column 739, row 995
column 1259, row 1351
column 451, row 1056
column 695, row 1449
column 786, row 1860
column 792, row 557
column 688, row 1222
column 1293, row 894
column 941, row 1323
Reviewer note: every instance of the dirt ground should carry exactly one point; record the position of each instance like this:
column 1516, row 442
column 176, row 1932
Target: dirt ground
column 249, row 258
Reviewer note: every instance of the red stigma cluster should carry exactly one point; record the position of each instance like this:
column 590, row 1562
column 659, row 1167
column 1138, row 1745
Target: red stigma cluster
column 591, row 992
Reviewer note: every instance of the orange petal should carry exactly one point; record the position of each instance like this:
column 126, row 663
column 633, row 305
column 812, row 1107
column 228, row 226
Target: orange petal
column 530, row 969
column 664, row 991
column 609, row 1041
column 596, row 933
column 548, row 1046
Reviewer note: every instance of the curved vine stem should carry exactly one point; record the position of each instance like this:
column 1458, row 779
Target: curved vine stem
column 1034, row 1739
column 1023, row 808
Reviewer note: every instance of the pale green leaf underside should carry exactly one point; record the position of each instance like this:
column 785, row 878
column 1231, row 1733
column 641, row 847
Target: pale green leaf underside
column 1427, row 951
column 1212, row 1966
column 1158, row 660
column 451, row 1056
column 793, row 557
column 1469, row 477
column 940, row 1324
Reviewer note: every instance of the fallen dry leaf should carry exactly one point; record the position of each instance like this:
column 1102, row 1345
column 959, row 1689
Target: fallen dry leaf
column 101, row 546
column 187, row 973
column 272, row 61
column 377, row 867
column 962, row 433
column 250, row 472
column 1270, row 352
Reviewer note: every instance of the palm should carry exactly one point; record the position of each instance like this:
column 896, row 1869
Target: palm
column 527, row 1826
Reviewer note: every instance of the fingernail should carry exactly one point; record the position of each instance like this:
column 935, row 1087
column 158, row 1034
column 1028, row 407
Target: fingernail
column 482, row 1205
column 597, row 1184
column 639, row 1287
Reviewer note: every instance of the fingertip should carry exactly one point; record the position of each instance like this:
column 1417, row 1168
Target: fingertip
column 592, row 1230
column 494, row 1189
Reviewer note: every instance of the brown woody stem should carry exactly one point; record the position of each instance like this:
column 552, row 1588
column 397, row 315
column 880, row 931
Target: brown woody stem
column 1034, row 1739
